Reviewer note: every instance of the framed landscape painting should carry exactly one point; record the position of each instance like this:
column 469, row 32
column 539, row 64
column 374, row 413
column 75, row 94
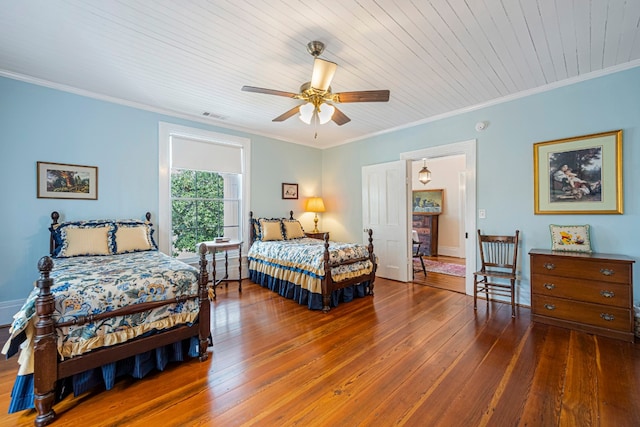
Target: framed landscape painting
column 579, row 175
column 63, row 181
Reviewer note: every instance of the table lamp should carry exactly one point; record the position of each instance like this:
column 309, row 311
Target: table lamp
column 315, row 204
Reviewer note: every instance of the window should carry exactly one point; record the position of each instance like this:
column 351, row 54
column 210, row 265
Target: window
column 203, row 188
column 204, row 205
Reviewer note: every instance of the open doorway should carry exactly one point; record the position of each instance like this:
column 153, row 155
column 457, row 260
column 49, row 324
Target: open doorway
column 452, row 169
column 438, row 223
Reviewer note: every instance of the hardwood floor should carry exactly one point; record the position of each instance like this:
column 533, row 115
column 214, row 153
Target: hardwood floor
column 411, row 355
column 442, row 281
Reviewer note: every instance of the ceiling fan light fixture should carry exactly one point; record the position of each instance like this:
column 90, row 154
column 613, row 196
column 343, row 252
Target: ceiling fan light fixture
column 317, row 92
column 325, row 112
column 323, row 72
column 306, row 112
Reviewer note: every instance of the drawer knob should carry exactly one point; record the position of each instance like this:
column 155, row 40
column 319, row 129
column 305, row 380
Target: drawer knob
column 607, row 317
column 607, row 294
column 549, row 265
column 607, row 271
column 550, row 306
column 549, row 286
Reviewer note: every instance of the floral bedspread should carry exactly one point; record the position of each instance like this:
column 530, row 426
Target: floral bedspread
column 301, row 261
column 96, row 284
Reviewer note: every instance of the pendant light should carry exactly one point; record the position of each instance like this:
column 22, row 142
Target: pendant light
column 424, row 176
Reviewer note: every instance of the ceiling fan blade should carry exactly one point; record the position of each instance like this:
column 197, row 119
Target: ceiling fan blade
column 269, row 91
column 339, row 117
column 322, row 75
column 284, row 116
column 362, row 96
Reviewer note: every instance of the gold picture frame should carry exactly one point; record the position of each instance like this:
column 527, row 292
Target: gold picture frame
column 64, row 181
column 579, row 175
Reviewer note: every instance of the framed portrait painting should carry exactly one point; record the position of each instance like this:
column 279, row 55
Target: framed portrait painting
column 63, row 181
column 579, row 175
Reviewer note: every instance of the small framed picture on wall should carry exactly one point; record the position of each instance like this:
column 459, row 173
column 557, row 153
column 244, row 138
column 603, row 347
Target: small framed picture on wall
column 289, row 191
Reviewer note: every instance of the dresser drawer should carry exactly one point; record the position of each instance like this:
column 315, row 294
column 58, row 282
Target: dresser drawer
column 583, row 312
column 606, row 293
column 588, row 268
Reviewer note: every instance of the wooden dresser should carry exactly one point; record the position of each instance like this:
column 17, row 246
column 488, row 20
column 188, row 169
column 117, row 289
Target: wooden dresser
column 589, row 292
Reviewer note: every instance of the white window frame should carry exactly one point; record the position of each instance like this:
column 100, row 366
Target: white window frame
column 165, row 132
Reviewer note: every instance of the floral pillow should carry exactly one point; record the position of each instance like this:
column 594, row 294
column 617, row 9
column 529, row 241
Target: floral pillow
column 570, row 238
column 255, row 223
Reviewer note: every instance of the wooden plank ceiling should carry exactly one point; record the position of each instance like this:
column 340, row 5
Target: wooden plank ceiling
column 437, row 57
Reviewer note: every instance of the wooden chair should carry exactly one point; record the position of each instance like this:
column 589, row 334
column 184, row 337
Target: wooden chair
column 499, row 256
column 417, row 254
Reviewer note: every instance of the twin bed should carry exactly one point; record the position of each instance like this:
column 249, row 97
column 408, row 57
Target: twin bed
column 114, row 305
column 117, row 307
column 316, row 273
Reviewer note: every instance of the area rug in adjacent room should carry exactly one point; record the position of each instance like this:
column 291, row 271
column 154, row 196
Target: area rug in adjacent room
column 441, row 267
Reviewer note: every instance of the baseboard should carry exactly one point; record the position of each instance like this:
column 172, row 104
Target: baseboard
column 8, row 309
column 449, row 251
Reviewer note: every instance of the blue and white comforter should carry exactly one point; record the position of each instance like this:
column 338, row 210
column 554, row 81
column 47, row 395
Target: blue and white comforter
column 301, row 261
column 97, row 284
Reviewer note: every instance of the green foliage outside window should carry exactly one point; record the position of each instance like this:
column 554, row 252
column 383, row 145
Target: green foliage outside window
column 197, row 208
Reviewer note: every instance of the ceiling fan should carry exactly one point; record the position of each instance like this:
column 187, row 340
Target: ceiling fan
column 317, row 93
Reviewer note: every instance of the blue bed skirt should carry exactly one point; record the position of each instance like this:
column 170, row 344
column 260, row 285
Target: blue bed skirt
column 302, row 296
column 137, row 366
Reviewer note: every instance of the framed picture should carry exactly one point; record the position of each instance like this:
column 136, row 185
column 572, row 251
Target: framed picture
column 62, row 181
column 428, row 201
column 289, row 191
column 579, row 175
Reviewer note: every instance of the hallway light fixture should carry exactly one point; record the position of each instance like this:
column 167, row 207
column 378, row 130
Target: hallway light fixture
column 424, row 176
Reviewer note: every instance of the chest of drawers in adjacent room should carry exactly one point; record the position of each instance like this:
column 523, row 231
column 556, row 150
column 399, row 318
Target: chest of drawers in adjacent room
column 590, row 292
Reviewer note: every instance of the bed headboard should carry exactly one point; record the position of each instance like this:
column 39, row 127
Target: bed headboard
column 252, row 226
column 55, row 216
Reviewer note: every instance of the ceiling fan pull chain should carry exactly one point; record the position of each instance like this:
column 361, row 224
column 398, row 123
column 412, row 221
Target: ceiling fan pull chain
column 315, row 124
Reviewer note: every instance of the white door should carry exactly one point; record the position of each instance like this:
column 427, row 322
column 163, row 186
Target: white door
column 385, row 211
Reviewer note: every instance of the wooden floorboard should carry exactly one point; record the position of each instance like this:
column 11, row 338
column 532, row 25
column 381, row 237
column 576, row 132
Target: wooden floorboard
column 439, row 280
column 411, row 355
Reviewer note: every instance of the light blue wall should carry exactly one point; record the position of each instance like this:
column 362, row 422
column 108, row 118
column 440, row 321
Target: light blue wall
column 505, row 163
column 42, row 124
column 49, row 125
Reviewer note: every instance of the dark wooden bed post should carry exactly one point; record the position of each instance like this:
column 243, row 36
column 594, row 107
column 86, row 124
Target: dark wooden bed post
column 54, row 224
column 327, row 282
column 45, row 347
column 252, row 229
column 372, row 257
column 204, row 312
